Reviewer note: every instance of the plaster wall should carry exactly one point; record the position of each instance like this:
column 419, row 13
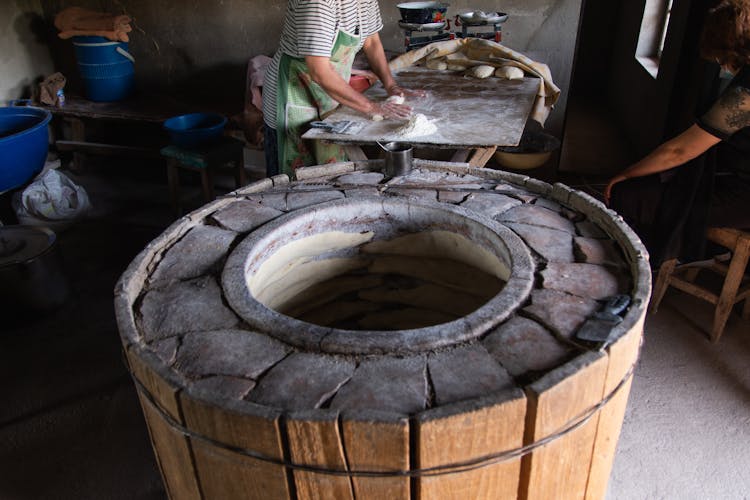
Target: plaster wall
column 24, row 55
column 203, row 47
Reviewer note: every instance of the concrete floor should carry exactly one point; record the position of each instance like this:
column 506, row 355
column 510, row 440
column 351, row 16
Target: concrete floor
column 71, row 427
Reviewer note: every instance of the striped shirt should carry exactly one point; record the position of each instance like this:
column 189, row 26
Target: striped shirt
column 310, row 29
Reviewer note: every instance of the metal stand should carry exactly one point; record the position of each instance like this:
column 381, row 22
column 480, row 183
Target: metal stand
column 411, row 42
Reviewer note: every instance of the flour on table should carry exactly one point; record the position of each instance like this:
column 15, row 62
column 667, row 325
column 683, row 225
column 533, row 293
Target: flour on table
column 417, row 126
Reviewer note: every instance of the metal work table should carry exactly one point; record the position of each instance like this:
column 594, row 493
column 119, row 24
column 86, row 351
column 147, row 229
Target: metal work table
column 472, row 115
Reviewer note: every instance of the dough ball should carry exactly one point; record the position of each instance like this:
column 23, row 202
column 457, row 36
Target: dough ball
column 509, row 73
column 376, row 118
column 482, row 71
column 436, row 64
column 396, row 99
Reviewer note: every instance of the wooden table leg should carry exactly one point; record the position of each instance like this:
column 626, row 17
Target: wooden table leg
column 78, row 134
column 732, row 283
column 207, row 182
column 173, row 180
column 355, row 153
column 481, row 156
column 240, row 178
column 461, row 156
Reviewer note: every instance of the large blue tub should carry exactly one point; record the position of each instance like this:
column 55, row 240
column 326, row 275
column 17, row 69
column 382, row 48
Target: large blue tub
column 23, row 144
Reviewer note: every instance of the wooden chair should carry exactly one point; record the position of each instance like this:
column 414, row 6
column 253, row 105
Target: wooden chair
column 735, row 288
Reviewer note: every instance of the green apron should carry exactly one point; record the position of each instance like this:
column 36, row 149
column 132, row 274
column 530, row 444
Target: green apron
column 300, row 101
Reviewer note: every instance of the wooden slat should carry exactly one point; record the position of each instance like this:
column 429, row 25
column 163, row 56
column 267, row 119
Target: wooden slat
column 141, row 365
column 379, row 443
column 560, row 469
column 492, row 426
column 692, row 289
column 173, row 454
column 314, row 439
column 225, row 474
column 172, row 449
column 101, row 148
column 622, row 356
column 355, row 153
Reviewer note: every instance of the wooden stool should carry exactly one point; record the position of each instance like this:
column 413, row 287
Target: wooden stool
column 733, row 289
column 205, row 161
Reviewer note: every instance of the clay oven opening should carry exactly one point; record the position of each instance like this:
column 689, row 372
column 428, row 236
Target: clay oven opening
column 381, row 265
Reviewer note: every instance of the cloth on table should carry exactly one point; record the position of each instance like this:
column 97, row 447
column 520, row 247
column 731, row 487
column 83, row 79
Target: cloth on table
column 77, row 21
column 469, row 52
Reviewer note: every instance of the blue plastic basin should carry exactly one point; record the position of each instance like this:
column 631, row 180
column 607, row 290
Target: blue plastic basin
column 23, row 144
column 195, row 130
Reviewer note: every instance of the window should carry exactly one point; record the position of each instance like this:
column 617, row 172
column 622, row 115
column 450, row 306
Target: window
column 653, row 34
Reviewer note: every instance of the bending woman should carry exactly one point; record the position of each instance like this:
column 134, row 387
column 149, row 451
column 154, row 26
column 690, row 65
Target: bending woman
column 670, row 208
column 309, row 76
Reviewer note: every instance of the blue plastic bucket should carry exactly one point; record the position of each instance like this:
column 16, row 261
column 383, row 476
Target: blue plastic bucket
column 106, row 68
column 23, row 144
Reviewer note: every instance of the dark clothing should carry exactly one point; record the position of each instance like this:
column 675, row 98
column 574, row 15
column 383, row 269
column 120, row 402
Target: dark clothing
column 671, row 210
column 271, row 150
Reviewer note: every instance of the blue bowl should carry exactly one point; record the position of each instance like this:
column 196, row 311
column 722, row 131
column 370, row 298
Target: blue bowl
column 195, row 130
column 23, row 144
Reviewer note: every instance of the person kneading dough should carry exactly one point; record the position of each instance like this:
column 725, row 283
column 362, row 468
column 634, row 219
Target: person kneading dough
column 309, row 76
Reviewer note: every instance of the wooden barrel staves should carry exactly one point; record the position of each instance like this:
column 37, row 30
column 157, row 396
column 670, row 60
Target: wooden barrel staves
column 350, row 336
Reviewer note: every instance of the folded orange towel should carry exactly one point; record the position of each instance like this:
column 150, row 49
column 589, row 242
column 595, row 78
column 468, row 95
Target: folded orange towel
column 77, row 21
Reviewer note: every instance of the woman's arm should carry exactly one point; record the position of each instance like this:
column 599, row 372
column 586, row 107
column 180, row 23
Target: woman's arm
column 323, row 73
column 373, row 49
column 375, row 53
column 677, row 151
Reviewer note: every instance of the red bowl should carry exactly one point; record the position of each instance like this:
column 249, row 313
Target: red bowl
column 359, row 83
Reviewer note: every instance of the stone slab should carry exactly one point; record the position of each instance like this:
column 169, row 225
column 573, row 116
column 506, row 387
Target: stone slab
column 584, row 280
column 521, row 194
column 196, row 254
column 186, row 306
column 244, row 215
column 359, row 192
column 548, row 204
column 522, row 345
column 236, row 353
column 414, row 194
column 271, row 199
column 166, row 349
column 295, row 201
column 537, row 216
column 386, row 384
column 302, row 381
column 588, row 229
column 465, row 373
column 452, row 196
column 560, row 312
column 489, row 204
column 360, row 178
column 223, row 387
column 551, row 244
column 596, row 251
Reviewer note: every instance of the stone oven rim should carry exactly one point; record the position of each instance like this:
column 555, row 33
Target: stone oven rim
column 349, row 342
